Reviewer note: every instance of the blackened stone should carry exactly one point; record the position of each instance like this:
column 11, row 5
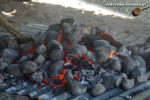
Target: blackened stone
column 142, row 78
column 52, row 35
column 56, row 68
column 127, row 83
column 14, row 69
column 10, row 53
column 56, row 54
column 12, row 44
column 77, row 49
column 39, row 59
column 98, row 89
column 101, row 56
column 67, row 22
column 29, row 67
column 23, row 59
column 117, row 80
column 3, row 65
column 25, row 48
column 91, row 56
column 99, row 43
column 76, row 88
column 89, row 39
column 37, row 77
column 41, row 49
column 128, row 64
column 53, row 44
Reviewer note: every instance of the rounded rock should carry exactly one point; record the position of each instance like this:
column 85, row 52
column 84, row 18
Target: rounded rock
column 39, row 59
column 98, row 89
column 56, row 54
column 3, row 65
column 99, row 43
column 101, row 56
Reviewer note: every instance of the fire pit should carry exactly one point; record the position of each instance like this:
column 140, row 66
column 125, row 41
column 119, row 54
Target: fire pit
column 73, row 60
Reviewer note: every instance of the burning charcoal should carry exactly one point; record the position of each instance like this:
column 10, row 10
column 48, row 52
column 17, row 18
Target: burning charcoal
column 9, row 54
column 41, row 49
column 127, row 83
column 91, row 56
column 53, row 44
column 14, row 69
column 76, row 88
column 68, row 23
column 89, row 39
column 37, row 77
column 56, row 54
column 98, row 89
column 38, row 38
column 142, row 78
column 77, row 50
column 56, row 68
column 99, row 43
column 39, row 59
column 12, row 44
column 3, row 65
column 128, row 64
column 23, row 59
column 101, row 56
column 25, row 48
column 29, row 67
column 52, row 35
column 87, row 72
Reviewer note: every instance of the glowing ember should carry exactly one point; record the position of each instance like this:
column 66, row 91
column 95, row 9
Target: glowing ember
column 84, row 55
column 111, row 54
column 32, row 49
column 60, row 37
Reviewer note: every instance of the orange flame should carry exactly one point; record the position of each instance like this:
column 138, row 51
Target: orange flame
column 32, row 49
column 111, row 53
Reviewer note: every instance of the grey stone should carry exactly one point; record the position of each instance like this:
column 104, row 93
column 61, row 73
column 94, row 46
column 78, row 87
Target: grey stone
column 99, row 43
column 91, row 56
column 127, row 83
column 10, row 54
column 128, row 64
column 52, row 35
column 142, row 78
column 25, row 48
column 37, row 77
column 101, row 56
column 53, row 44
column 39, row 59
column 56, row 68
column 12, row 44
column 68, row 23
column 116, row 65
column 124, row 51
column 98, row 89
column 23, row 59
column 56, row 54
column 14, row 69
column 3, row 65
column 29, row 67
column 41, row 49
column 108, row 82
column 105, row 48
column 76, row 88
column 136, row 50
column 77, row 49
column 6, row 60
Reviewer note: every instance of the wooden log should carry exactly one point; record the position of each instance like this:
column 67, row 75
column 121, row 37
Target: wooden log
column 12, row 29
